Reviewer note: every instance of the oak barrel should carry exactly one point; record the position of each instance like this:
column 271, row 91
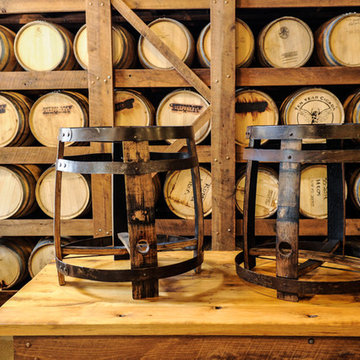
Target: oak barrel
column 338, row 41
column 178, row 192
column 267, row 190
column 132, row 109
column 175, row 35
column 312, row 106
column 75, row 194
column 14, row 255
column 253, row 107
column 352, row 108
column 123, row 47
column 14, row 119
column 8, row 60
column 286, row 42
column 354, row 185
column 244, row 45
column 182, row 107
column 55, row 110
column 17, row 190
column 44, row 46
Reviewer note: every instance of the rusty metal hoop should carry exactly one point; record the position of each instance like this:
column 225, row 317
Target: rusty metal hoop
column 130, row 161
column 291, row 155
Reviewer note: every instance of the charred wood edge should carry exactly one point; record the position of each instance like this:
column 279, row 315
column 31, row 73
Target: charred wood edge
column 317, row 131
column 129, row 275
column 300, row 287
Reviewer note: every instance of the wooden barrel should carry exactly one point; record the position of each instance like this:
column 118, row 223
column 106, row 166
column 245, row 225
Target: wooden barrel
column 17, row 190
column 253, row 107
column 75, row 194
column 286, row 42
column 55, row 110
column 123, row 47
column 267, row 190
column 14, row 119
column 7, row 55
column 352, row 108
column 14, row 255
column 182, row 107
column 338, row 41
column 244, row 45
column 42, row 254
column 175, row 35
column 44, row 46
column 132, row 109
column 313, row 192
column 178, row 193
column 354, row 185
column 312, row 106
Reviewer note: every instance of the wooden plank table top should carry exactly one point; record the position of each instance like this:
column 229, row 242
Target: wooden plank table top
column 214, row 302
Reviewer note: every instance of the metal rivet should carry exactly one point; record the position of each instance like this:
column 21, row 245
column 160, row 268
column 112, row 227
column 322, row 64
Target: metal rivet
column 289, row 157
column 107, row 233
column 216, row 81
column 215, row 160
column 101, row 4
column 217, row 233
column 225, row 2
column 135, row 137
column 228, row 157
column 109, row 77
column 105, row 80
column 311, row 341
column 214, row 1
column 93, row 82
column 136, row 168
column 27, row 344
column 97, row 78
column 90, row 3
column 227, row 75
column 100, row 230
column 229, row 230
column 144, row 274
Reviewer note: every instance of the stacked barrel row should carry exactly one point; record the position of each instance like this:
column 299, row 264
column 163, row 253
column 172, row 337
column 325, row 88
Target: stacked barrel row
column 23, row 257
column 284, row 42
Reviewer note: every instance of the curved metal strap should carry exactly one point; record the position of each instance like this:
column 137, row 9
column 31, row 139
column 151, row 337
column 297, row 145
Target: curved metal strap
column 125, row 133
column 295, row 286
column 304, row 156
column 134, row 168
column 128, row 275
column 293, row 132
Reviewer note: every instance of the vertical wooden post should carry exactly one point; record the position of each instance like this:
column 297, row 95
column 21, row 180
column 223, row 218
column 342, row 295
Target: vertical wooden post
column 287, row 224
column 140, row 203
column 101, row 103
column 223, row 123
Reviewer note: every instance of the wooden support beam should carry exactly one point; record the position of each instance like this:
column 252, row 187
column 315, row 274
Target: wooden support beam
column 101, row 103
column 223, row 124
column 149, row 35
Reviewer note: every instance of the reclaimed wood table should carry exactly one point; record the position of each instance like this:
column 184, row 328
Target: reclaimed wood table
column 211, row 315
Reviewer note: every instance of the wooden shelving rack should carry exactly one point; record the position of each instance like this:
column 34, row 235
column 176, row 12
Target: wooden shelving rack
column 220, row 81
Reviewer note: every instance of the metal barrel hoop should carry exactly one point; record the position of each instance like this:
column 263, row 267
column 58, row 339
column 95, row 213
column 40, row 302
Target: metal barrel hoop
column 287, row 250
column 148, row 163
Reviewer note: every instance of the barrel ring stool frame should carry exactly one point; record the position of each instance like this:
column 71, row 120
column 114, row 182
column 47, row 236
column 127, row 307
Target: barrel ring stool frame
column 131, row 164
column 290, row 156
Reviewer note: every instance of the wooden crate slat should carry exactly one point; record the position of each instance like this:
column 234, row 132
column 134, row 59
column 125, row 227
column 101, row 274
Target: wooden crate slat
column 31, row 80
column 37, row 154
column 40, row 6
column 180, row 227
column 223, row 124
column 44, row 227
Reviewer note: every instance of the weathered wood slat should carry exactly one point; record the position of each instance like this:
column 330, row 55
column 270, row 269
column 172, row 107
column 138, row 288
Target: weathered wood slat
column 186, row 347
column 223, row 124
column 31, row 6
column 37, row 154
column 101, row 102
column 31, row 80
column 44, row 227
column 180, row 227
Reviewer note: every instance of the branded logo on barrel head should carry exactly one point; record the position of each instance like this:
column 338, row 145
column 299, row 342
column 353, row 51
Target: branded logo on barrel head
column 127, row 104
column 186, row 107
column 284, row 32
column 54, row 110
column 2, row 108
